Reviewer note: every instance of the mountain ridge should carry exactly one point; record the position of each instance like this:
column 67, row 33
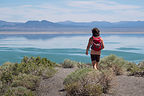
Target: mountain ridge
column 48, row 26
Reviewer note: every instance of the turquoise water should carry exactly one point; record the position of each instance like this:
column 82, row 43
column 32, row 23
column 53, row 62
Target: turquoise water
column 59, row 47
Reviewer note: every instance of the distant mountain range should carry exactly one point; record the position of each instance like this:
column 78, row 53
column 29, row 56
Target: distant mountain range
column 69, row 26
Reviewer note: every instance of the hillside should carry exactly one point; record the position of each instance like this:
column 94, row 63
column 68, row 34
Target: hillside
column 36, row 76
column 69, row 26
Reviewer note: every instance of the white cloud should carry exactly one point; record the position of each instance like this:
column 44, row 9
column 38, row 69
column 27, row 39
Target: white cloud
column 33, row 12
column 101, row 5
column 84, row 11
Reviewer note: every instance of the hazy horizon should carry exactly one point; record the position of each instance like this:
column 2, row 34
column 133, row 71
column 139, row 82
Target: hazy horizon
column 72, row 10
column 74, row 21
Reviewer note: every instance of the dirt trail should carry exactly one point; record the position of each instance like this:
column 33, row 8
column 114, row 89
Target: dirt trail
column 54, row 86
column 128, row 86
column 122, row 85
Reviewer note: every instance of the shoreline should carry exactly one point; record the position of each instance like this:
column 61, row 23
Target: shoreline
column 11, row 33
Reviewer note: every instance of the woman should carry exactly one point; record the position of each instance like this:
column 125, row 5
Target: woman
column 96, row 43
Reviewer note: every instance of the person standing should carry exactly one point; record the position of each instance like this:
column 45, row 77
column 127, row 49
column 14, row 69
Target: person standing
column 96, row 43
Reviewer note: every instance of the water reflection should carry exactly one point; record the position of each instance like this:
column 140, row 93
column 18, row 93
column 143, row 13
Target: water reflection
column 38, row 36
column 58, row 47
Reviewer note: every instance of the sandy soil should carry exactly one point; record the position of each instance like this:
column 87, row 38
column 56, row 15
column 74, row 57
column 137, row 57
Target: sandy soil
column 127, row 86
column 121, row 85
column 54, row 86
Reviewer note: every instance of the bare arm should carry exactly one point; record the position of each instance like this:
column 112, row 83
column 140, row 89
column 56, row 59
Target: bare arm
column 102, row 43
column 88, row 46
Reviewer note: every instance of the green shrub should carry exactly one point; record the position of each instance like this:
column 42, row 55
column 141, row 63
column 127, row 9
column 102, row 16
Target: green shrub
column 141, row 65
column 26, row 80
column 38, row 61
column 6, row 65
column 1, row 84
column 19, row 91
column 135, row 70
column 33, row 65
column 77, row 89
column 27, row 74
column 77, row 84
column 71, row 64
column 113, row 62
column 107, row 76
column 6, row 77
column 75, row 76
column 88, row 82
column 48, row 72
column 3, row 88
column 83, row 65
column 73, row 89
column 120, row 66
column 68, row 63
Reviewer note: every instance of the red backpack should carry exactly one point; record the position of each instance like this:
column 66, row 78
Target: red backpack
column 97, row 43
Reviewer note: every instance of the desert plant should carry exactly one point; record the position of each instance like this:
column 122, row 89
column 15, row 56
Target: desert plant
column 6, row 77
column 68, row 63
column 26, row 80
column 48, row 72
column 19, row 91
column 71, row 64
column 141, row 65
column 75, row 76
column 107, row 76
column 135, row 69
column 82, row 65
column 77, row 89
column 33, row 65
column 26, row 74
column 88, row 82
column 113, row 62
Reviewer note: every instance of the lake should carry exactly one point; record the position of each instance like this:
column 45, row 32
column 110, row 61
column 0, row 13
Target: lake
column 58, row 47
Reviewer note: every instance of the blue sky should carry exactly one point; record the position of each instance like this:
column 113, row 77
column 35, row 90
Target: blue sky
column 73, row 10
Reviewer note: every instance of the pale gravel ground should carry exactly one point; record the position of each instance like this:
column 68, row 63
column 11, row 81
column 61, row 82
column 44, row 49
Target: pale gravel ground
column 127, row 86
column 122, row 85
column 54, row 86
